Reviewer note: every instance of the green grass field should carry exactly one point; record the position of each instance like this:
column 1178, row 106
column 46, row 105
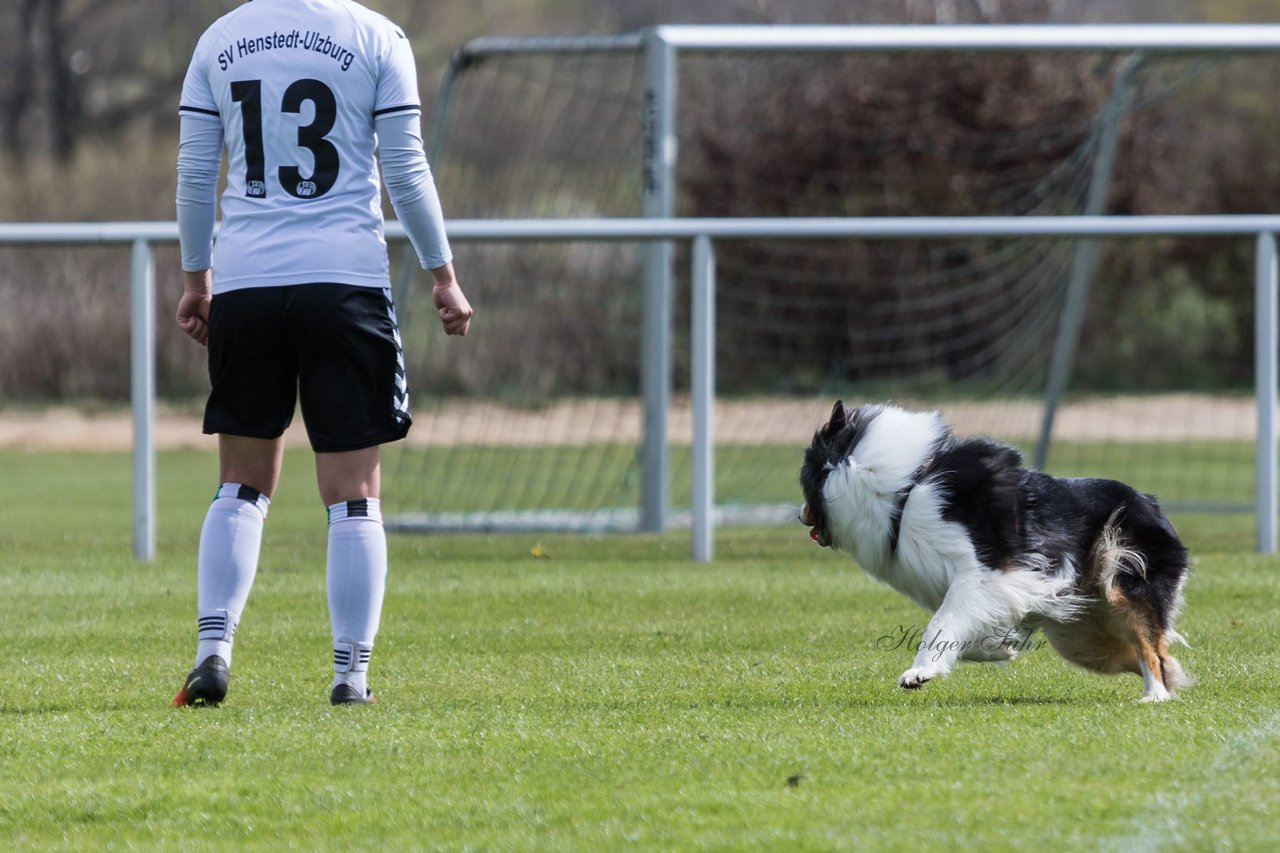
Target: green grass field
column 609, row 695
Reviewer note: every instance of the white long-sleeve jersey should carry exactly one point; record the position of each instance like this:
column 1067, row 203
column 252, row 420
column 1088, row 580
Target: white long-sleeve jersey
column 301, row 93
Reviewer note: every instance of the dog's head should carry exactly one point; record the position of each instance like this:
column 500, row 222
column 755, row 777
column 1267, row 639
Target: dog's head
column 873, row 452
column 832, row 445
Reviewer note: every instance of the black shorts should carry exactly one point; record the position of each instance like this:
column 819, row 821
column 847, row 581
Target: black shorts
column 335, row 345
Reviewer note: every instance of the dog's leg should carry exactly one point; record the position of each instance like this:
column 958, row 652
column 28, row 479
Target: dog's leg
column 960, row 625
column 1149, row 641
column 1003, row 645
column 1153, row 689
column 982, row 652
column 1140, row 564
column 1159, row 679
column 1164, row 679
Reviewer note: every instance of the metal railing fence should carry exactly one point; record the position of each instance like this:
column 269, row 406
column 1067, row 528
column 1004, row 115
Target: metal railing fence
column 704, row 233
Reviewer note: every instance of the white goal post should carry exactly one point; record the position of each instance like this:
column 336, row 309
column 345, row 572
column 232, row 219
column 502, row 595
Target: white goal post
column 141, row 236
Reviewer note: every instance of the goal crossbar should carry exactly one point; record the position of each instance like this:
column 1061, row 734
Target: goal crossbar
column 1149, row 38
column 879, row 38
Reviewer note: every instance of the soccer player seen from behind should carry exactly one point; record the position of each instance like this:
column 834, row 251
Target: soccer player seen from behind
column 294, row 299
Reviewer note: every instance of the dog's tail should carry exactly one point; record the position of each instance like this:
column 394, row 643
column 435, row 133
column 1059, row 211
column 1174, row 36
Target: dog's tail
column 1173, row 675
column 1112, row 557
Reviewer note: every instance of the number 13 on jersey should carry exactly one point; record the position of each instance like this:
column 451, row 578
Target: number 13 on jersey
column 248, row 94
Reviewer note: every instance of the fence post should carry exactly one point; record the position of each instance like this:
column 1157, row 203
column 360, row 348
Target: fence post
column 142, row 357
column 659, row 202
column 1266, row 341
column 703, row 387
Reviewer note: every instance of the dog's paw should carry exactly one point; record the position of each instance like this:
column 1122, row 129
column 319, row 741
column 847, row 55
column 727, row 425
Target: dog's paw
column 916, row 677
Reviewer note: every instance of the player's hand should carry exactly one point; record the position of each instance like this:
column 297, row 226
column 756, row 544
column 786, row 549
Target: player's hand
column 193, row 307
column 455, row 312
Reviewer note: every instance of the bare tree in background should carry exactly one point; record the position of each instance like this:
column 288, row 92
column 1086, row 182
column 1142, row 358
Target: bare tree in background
column 82, row 68
column 19, row 38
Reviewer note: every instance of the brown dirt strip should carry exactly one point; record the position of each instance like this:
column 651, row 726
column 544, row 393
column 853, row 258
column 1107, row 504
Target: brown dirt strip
column 1171, row 417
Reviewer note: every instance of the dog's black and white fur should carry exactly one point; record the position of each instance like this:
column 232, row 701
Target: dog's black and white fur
column 993, row 549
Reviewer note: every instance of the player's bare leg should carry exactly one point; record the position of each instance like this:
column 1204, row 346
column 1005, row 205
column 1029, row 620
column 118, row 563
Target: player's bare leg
column 253, row 462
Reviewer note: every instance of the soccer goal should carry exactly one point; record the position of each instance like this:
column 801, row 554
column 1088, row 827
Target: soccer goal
column 570, row 408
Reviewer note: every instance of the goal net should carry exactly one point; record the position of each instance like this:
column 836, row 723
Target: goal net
column 534, row 422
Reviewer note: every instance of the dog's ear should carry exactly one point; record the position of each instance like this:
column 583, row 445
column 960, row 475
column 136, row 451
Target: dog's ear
column 838, row 417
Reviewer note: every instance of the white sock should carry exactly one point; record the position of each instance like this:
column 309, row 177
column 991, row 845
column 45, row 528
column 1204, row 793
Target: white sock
column 351, row 664
column 357, row 579
column 229, row 544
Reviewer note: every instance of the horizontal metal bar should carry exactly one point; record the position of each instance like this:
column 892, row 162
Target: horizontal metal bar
column 798, row 228
column 1154, row 38
column 479, row 48
column 860, row 227
column 87, row 232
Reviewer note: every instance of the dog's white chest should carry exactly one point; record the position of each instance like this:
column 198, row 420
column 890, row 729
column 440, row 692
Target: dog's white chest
column 924, row 581
column 929, row 551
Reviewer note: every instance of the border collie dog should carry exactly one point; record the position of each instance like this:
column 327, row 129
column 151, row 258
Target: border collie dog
column 996, row 551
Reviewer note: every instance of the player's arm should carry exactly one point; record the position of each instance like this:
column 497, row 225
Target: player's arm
column 413, row 195
column 199, row 155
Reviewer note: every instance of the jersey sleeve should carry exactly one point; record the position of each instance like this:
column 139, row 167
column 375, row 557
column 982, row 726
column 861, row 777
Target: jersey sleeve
column 397, row 76
column 412, row 189
column 197, row 99
column 199, row 156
